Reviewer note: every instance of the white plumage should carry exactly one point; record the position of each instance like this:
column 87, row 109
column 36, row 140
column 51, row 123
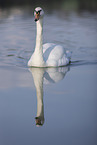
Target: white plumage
column 49, row 54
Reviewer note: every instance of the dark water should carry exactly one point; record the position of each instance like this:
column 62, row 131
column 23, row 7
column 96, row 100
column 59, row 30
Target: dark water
column 66, row 97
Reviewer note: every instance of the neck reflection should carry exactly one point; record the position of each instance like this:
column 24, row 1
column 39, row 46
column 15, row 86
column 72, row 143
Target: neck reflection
column 46, row 76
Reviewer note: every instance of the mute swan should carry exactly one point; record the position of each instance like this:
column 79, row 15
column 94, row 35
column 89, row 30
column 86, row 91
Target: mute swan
column 49, row 54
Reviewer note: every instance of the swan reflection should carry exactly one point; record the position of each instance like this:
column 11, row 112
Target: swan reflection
column 45, row 76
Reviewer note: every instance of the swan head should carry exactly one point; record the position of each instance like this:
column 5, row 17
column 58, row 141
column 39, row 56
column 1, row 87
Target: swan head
column 38, row 13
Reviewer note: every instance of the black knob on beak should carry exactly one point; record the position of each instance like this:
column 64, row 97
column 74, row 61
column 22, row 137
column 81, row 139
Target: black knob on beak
column 35, row 20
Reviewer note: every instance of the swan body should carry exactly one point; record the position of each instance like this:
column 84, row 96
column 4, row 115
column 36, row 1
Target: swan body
column 49, row 54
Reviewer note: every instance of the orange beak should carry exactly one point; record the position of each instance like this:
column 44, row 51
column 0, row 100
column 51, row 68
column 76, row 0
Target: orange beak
column 37, row 17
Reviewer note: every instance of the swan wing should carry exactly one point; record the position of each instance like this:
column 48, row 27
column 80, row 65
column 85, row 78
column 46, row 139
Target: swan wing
column 47, row 46
column 55, row 55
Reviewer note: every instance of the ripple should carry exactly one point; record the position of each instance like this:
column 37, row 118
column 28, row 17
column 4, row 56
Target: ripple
column 83, row 62
column 10, row 55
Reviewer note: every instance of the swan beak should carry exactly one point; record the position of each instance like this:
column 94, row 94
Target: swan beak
column 37, row 17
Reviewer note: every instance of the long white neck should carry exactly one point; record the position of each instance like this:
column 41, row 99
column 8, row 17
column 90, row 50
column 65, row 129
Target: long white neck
column 39, row 27
column 38, row 53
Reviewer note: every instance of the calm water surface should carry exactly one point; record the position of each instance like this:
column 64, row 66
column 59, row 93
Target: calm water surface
column 48, row 106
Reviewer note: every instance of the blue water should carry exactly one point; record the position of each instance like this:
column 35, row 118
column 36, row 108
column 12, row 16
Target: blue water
column 69, row 107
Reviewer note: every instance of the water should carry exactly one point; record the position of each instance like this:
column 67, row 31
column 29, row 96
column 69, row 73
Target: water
column 65, row 98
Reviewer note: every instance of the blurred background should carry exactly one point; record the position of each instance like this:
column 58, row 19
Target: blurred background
column 79, row 5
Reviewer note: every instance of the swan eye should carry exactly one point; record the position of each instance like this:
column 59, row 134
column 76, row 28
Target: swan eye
column 38, row 12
